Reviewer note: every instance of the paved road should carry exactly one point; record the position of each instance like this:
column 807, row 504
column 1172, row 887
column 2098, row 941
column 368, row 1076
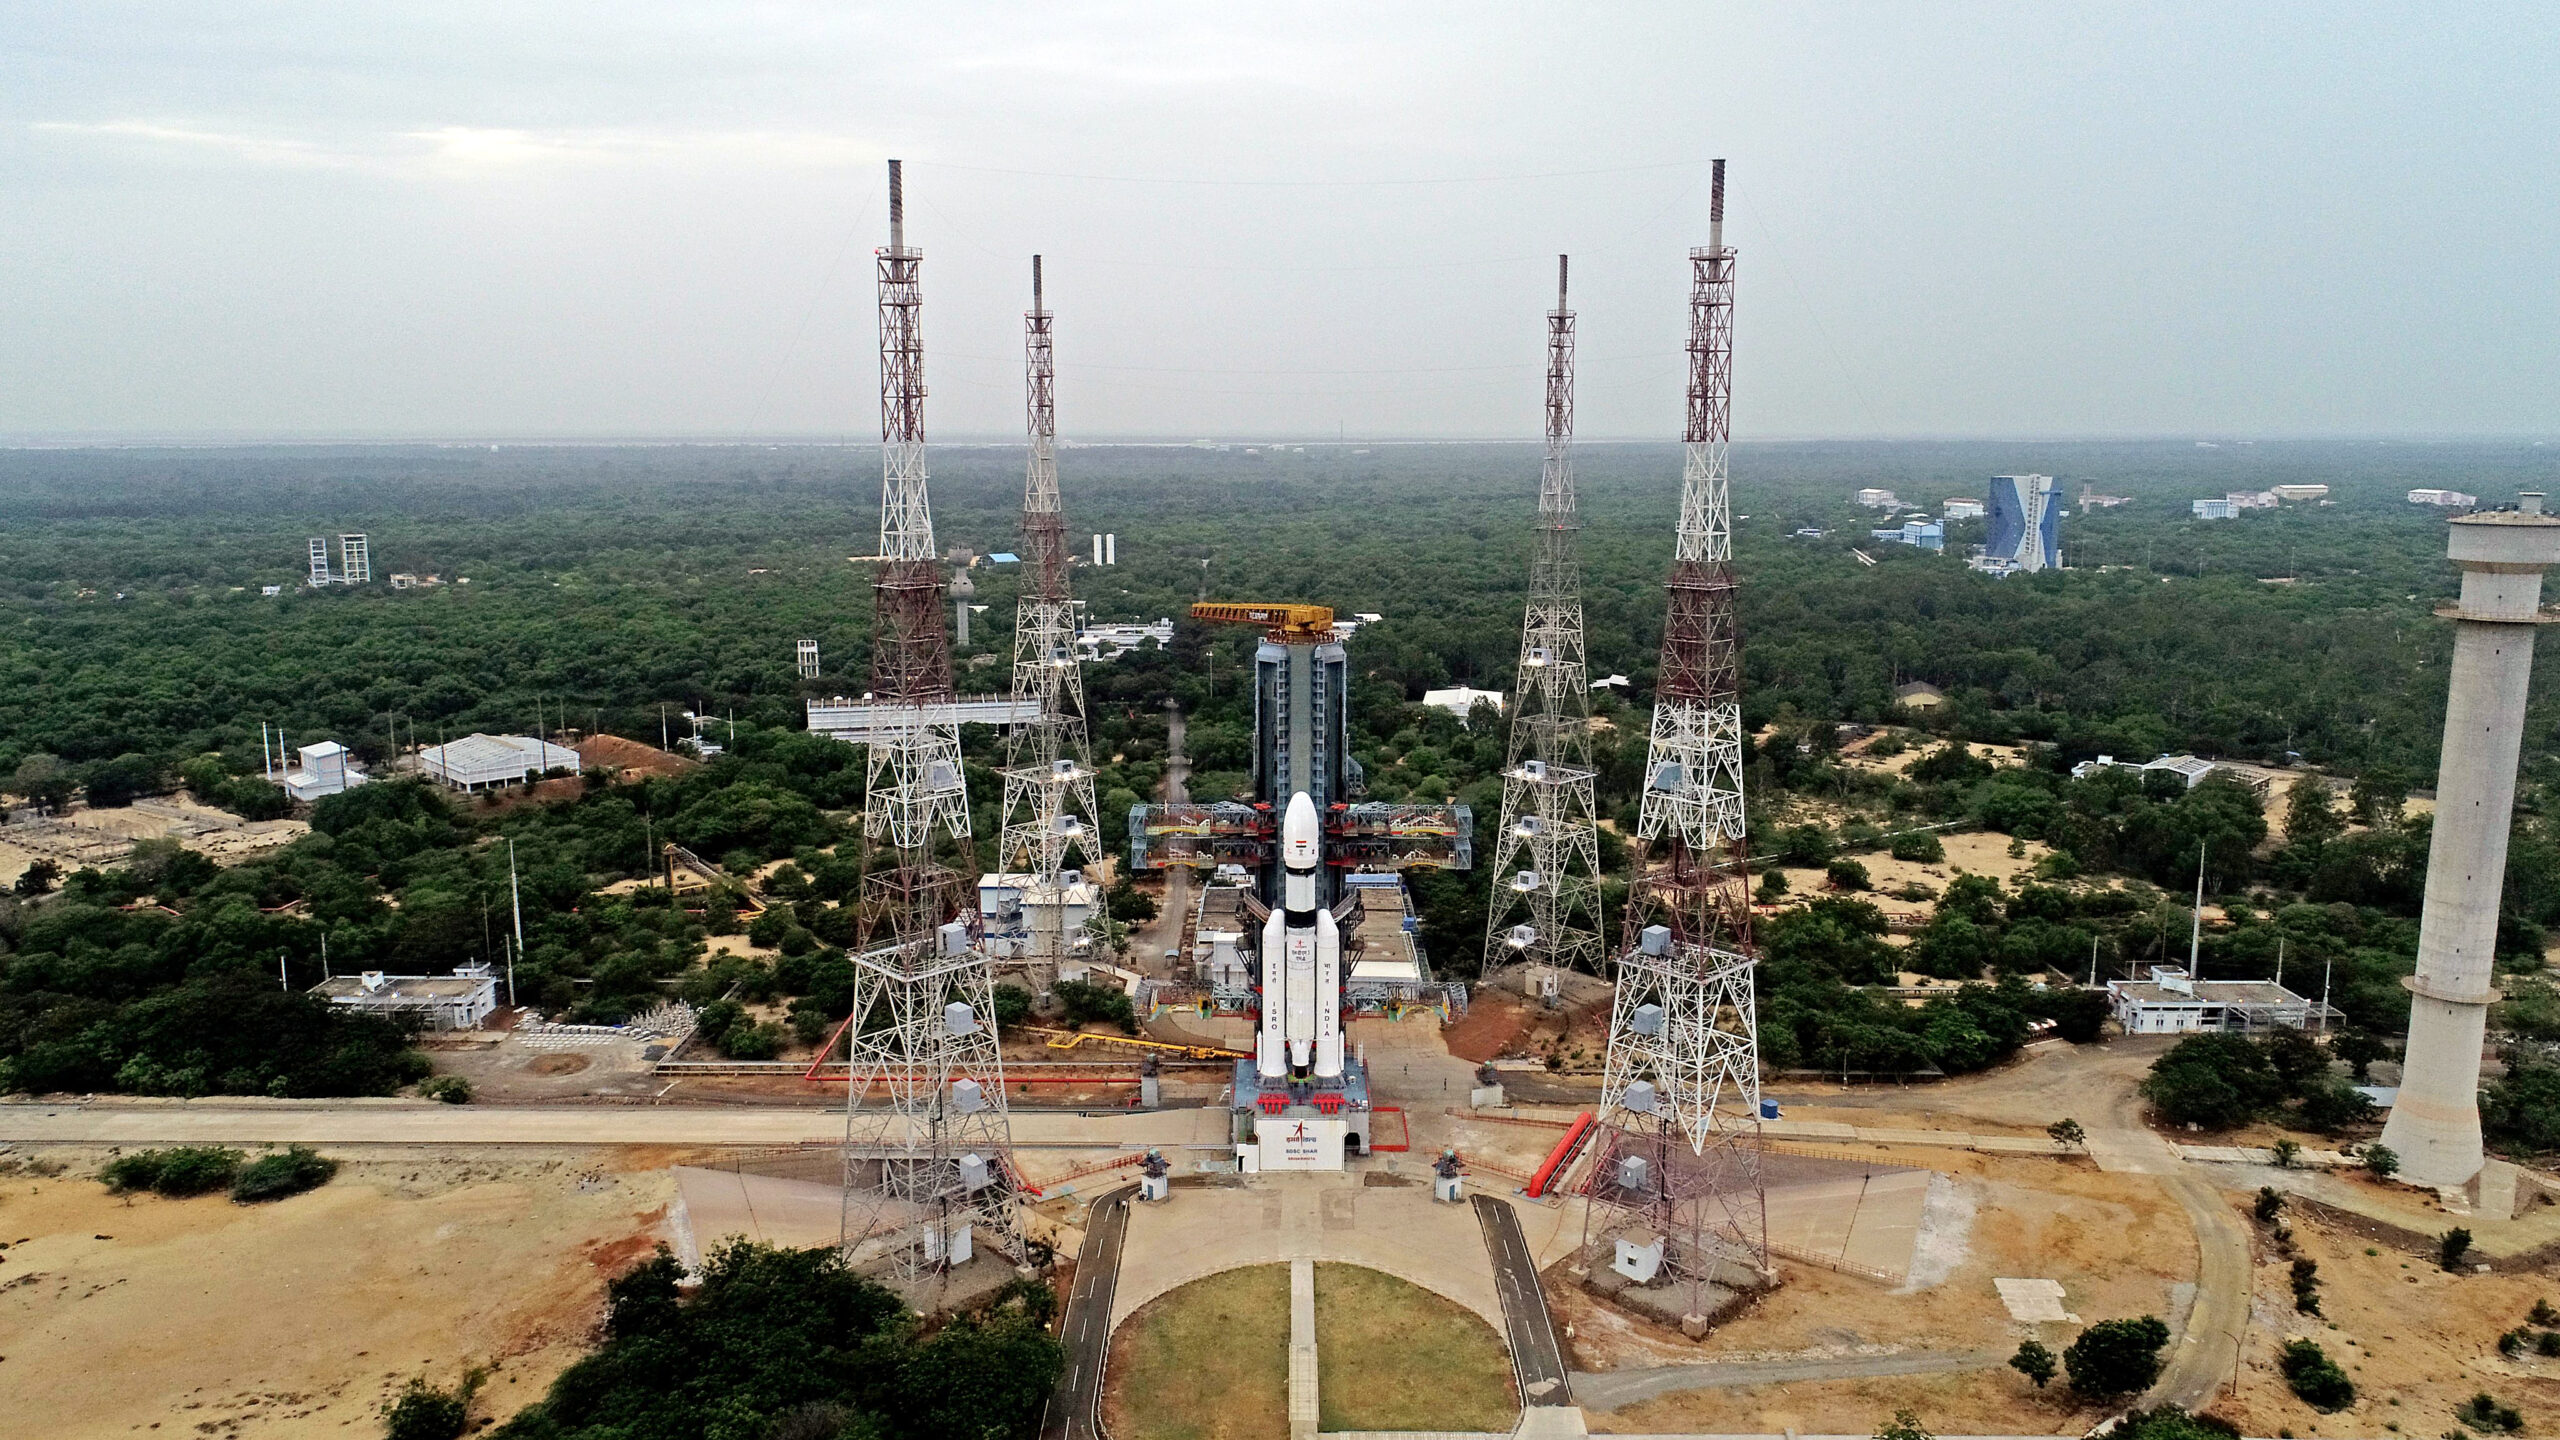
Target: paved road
column 1165, row 931
column 1087, row 1327
column 1616, row 1388
column 1536, row 1356
column 394, row 1122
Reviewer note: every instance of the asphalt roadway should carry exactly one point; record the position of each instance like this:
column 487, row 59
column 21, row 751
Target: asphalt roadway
column 1537, row 1359
column 1086, row 1329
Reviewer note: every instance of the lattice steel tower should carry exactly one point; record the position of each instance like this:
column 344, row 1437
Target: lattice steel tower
column 1049, row 809
column 1683, row 1062
column 933, row 1164
column 1545, row 915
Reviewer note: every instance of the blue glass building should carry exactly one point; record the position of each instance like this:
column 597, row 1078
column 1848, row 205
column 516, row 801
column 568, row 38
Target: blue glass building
column 2026, row 524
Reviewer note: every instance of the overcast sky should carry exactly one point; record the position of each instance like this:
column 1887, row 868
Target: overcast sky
column 638, row 219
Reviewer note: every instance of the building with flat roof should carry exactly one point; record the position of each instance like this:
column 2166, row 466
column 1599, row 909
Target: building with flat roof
column 326, row 770
column 1879, row 499
column 459, row 1001
column 2187, row 768
column 477, row 762
column 2299, row 492
column 1961, row 508
column 2221, row 509
column 2172, row 1002
column 1919, row 534
column 1461, row 701
column 2443, row 499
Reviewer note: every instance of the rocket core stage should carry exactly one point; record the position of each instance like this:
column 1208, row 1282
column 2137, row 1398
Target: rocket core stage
column 1301, row 1035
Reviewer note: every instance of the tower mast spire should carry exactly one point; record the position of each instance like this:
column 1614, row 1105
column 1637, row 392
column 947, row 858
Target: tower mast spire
column 1049, row 809
column 1679, row 1155
column 929, row 1171
column 1546, row 912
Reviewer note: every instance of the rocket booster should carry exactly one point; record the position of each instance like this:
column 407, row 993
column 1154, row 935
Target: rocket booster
column 1301, row 1031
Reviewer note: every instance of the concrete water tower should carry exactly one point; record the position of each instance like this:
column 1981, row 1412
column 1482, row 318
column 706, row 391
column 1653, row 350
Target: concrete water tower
column 2435, row 1123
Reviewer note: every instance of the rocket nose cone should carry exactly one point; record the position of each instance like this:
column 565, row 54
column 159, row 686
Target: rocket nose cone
column 1300, row 835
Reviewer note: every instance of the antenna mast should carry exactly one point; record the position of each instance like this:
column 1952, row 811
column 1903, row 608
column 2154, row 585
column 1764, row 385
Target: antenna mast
column 1683, row 1070
column 1049, row 809
column 933, row 1166
column 1546, row 913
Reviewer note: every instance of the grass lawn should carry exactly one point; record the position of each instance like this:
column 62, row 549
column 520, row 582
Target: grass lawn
column 1207, row 1361
column 1393, row 1356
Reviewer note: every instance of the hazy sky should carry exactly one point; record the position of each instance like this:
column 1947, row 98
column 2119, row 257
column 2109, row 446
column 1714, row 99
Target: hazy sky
column 638, row 219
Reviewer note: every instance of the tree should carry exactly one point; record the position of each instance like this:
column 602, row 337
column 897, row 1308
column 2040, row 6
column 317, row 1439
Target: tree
column 2285, row 1153
column 2381, row 1161
column 2359, row 1048
column 1905, row 1425
column 2378, row 794
column 1772, row 887
column 1128, row 904
column 1918, row 847
column 2116, row 1357
column 1846, row 874
column 2171, row 1423
column 2035, row 1362
column 39, row 876
column 45, row 781
column 2067, row 1133
column 2311, row 812
column 2213, row 1080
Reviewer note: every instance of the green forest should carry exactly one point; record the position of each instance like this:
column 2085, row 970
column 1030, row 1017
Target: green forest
column 609, row 587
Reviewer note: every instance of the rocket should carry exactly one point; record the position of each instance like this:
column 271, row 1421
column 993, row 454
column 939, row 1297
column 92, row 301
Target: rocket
column 1301, row 1036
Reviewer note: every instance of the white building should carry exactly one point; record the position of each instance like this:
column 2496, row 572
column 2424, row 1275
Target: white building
column 1879, row 500
column 459, row 1001
column 2299, row 492
column 2172, row 1002
column 1459, row 700
column 326, row 770
column 1014, row 907
column 2221, row 509
column 476, row 762
column 1110, row 642
column 2187, row 768
column 1960, row 509
column 2443, row 499
column 2252, row 499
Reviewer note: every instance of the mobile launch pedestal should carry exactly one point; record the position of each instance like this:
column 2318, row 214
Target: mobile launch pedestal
column 1302, row 1102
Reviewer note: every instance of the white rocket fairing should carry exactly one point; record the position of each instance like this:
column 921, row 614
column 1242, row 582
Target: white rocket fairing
column 1301, row 962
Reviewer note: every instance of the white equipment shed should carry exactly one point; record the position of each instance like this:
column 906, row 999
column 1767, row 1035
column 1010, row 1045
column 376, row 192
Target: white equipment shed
column 476, row 762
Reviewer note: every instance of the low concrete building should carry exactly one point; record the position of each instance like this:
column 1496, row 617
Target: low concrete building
column 2187, row 768
column 1460, row 700
column 459, row 1001
column 1879, row 499
column 2299, row 492
column 326, row 770
column 2172, row 1002
column 2443, row 499
column 1961, row 509
column 477, row 762
column 2221, row 509
column 1013, row 907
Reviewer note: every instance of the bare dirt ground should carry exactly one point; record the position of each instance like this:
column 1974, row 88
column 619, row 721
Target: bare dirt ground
column 2416, row 1340
column 634, row 760
column 126, row 1314
column 2118, row 1243
column 1975, row 852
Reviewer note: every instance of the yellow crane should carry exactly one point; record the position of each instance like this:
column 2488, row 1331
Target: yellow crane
column 1070, row 1039
column 1286, row 624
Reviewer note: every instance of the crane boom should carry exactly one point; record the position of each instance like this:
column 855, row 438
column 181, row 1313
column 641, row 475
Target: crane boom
column 1286, row 624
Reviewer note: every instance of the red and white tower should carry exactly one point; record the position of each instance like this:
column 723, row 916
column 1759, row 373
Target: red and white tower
column 1678, row 1158
column 929, row 1171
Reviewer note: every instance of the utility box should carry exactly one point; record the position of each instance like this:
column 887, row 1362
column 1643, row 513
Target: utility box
column 953, row 1249
column 975, row 1173
column 1155, row 1187
column 1639, row 1257
column 1446, row 1187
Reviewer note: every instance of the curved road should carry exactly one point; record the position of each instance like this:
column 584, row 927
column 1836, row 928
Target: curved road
column 1086, row 1327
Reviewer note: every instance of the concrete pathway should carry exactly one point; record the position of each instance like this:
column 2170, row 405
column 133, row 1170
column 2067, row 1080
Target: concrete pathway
column 1085, row 1330
column 1537, row 1358
column 1302, row 1350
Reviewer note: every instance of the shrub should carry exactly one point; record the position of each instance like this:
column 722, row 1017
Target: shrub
column 2513, row 1342
column 1845, row 874
column 423, row 1412
column 2066, row 1133
column 2451, row 1246
column 1773, row 887
column 2547, row 1343
column 2171, row 1423
column 2382, row 1160
column 2315, row 1377
column 2116, row 1357
column 1905, row 1425
column 1013, row 1005
column 2035, row 1362
column 1086, row 1001
column 273, row 1177
column 2285, row 1153
column 752, row 1042
column 2269, row 1203
column 186, row 1170
column 1917, row 846
column 2306, row 1286
column 451, row 1089
column 2543, row 1314
column 2483, row 1412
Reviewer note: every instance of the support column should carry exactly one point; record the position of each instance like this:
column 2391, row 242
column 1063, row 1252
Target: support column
column 2435, row 1123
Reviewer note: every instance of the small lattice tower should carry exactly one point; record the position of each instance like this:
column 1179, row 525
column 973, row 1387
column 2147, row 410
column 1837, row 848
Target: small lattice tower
column 929, row 1171
column 1049, row 808
column 1678, row 1156
column 1545, row 915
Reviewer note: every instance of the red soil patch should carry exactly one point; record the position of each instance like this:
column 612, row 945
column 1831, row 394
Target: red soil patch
column 632, row 758
column 1493, row 1023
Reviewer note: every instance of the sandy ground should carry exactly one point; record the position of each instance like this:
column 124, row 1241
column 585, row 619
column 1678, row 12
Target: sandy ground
column 86, row 837
column 1975, row 852
column 2118, row 1243
column 301, row 1317
column 2416, row 1340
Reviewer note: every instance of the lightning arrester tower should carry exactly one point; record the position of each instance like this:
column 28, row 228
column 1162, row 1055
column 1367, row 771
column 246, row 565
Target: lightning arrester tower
column 1677, row 1168
column 2435, row 1123
column 1545, row 916
column 929, row 1171
column 1049, row 808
